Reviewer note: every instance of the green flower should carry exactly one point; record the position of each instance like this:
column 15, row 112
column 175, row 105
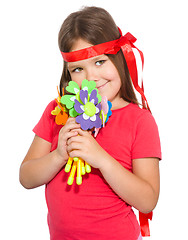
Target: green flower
column 73, row 87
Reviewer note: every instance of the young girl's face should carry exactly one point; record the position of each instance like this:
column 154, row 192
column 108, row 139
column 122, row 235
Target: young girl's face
column 101, row 70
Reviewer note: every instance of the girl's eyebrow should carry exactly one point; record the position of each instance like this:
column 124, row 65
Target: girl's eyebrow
column 73, row 65
column 99, row 58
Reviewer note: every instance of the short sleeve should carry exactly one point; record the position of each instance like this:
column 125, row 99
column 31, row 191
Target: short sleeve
column 44, row 127
column 146, row 142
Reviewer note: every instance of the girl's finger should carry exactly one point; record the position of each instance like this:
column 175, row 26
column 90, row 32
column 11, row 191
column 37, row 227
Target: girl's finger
column 73, row 146
column 75, row 153
column 82, row 132
column 69, row 135
column 70, row 126
column 76, row 138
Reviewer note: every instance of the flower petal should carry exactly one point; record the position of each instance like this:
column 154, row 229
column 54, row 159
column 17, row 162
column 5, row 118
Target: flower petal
column 56, row 111
column 89, row 85
column 98, row 122
column 73, row 98
column 85, row 89
column 85, row 124
column 109, row 111
column 82, row 107
column 73, row 87
column 93, row 118
column 85, row 116
column 93, row 97
column 76, row 90
column 104, row 104
column 66, row 101
column 97, row 110
column 73, row 112
column 84, row 96
column 98, row 106
column 77, row 106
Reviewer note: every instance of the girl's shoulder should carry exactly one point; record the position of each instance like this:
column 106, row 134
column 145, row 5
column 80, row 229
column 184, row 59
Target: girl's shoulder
column 47, row 114
column 133, row 111
column 134, row 117
column 45, row 125
column 50, row 106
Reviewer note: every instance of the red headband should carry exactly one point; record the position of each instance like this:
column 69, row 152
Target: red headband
column 125, row 43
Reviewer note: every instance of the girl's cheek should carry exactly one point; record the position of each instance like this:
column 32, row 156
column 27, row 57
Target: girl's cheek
column 77, row 79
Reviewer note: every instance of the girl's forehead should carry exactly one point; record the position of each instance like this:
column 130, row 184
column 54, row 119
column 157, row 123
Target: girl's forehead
column 80, row 44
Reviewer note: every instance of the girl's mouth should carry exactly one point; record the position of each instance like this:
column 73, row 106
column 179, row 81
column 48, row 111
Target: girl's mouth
column 101, row 86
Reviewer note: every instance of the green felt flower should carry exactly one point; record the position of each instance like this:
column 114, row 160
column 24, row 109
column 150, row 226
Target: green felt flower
column 73, row 87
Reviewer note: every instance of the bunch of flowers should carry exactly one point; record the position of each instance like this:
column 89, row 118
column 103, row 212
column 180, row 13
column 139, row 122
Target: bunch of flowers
column 90, row 110
column 86, row 104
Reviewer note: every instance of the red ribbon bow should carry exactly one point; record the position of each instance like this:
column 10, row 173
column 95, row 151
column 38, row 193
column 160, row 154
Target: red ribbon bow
column 144, row 223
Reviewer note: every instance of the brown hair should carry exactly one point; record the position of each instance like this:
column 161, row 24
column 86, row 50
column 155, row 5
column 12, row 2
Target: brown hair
column 94, row 25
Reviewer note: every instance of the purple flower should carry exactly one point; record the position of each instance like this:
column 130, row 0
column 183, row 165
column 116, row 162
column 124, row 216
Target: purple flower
column 88, row 109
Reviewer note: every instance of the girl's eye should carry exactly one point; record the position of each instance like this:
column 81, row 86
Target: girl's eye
column 78, row 69
column 99, row 63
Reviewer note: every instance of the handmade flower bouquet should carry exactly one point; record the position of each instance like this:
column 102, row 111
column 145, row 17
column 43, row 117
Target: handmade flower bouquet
column 90, row 110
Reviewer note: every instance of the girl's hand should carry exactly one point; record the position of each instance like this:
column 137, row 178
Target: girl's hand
column 68, row 131
column 86, row 147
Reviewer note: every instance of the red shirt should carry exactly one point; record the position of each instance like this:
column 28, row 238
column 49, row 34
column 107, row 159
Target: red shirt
column 92, row 210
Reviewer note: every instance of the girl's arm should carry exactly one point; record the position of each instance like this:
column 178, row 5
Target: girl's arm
column 40, row 165
column 139, row 189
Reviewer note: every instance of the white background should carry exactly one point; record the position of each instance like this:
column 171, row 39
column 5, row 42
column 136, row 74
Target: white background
column 30, row 69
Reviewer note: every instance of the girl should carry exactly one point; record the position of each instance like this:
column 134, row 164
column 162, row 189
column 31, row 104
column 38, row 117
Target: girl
column 125, row 154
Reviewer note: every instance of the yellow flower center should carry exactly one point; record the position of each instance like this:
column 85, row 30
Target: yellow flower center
column 89, row 109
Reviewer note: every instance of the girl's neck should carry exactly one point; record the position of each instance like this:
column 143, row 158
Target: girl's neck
column 119, row 104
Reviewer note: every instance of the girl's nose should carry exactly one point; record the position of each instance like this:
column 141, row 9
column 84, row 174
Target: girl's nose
column 91, row 75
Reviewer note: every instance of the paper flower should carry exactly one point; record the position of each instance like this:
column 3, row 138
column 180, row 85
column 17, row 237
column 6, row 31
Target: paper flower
column 89, row 110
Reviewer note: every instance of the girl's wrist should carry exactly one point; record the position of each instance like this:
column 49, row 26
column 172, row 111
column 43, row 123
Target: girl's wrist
column 58, row 158
column 107, row 163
